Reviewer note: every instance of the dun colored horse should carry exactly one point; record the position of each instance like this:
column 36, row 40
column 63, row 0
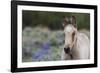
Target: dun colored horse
column 77, row 45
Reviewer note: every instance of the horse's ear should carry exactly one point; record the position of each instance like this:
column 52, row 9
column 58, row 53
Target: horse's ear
column 65, row 21
column 73, row 21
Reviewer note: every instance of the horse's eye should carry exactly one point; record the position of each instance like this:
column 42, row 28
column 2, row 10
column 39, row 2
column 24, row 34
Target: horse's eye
column 73, row 34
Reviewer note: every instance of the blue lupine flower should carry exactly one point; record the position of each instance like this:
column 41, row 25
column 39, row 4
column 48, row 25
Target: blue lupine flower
column 46, row 46
column 40, row 54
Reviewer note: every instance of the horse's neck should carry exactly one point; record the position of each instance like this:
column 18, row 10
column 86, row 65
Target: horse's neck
column 82, row 40
column 81, row 45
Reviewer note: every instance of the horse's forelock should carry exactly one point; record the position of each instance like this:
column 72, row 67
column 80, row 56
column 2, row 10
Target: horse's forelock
column 69, row 28
column 70, row 20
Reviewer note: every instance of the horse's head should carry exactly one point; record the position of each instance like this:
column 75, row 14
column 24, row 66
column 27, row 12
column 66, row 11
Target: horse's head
column 70, row 29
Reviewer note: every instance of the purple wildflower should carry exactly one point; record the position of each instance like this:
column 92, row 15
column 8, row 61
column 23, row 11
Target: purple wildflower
column 40, row 53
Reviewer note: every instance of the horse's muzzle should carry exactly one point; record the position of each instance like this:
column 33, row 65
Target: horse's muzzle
column 67, row 50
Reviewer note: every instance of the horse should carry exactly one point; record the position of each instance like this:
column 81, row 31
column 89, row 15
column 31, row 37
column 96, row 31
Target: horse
column 76, row 44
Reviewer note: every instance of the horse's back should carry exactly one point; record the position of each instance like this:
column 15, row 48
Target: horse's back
column 86, row 32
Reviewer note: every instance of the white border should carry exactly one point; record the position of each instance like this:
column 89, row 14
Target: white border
column 53, row 63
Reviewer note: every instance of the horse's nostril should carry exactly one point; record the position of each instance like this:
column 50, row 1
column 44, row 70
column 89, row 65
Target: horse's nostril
column 67, row 50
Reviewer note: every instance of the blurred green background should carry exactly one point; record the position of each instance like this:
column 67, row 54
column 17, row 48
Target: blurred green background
column 43, row 36
column 53, row 19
